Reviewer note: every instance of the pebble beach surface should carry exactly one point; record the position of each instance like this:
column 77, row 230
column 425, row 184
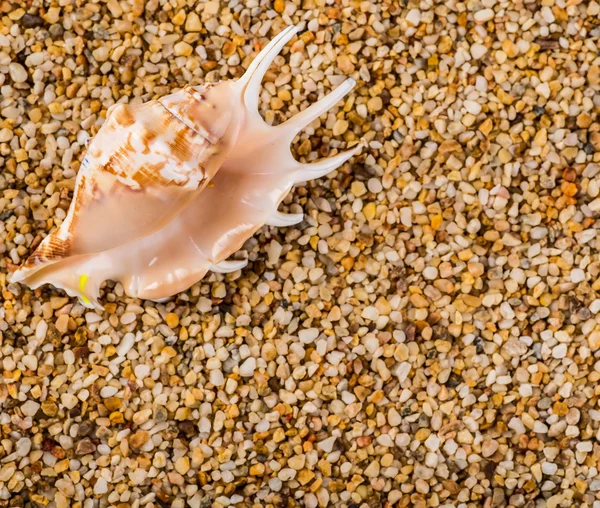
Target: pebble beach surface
column 428, row 336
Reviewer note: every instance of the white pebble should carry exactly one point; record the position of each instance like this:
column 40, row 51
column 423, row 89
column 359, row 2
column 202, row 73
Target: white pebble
column 108, row 391
column 432, row 443
column 30, row 362
column 478, row 51
column 517, row 425
column 68, row 357
column 327, row 444
column 262, row 426
column 559, row 351
column 17, row 72
column 484, row 15
column 525, row 390
column 403, row 371
column 141, row 371
column 68, row 400
column 216, row 377
column 30, row 408
column 23, row 446
column 585, row 236
column 406, row 216
column 40, row 330
column 370, row 312
column 126, row 344
column 286, row 474
column 430, row 273
column 101, row 486
column 543, row 89
column 472, row 107
column 414, row 17
column 309, row 335
column 138, row 476
column 577, row 275
column 128, row 318
column 585, row 446
column 248, row 367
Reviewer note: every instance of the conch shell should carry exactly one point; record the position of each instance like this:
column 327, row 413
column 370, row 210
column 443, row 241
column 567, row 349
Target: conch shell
column 169, row 189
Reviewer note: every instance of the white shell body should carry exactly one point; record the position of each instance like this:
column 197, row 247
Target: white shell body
column 144, row 213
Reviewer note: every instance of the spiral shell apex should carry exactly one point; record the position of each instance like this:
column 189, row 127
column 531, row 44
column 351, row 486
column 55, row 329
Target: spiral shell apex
column 143, row 212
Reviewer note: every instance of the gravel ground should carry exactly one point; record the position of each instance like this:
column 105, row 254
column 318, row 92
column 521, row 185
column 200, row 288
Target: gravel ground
column 428, row 336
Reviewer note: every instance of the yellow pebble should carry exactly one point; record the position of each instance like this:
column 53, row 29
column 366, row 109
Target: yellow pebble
column 375, row 104
column 340, row 127
column 172, row 320
column 183, row 49
column 436, row 221
column 179, row 18
column 284, row 95
column 369, row 211
column 169, row 352
column 358, row 188
column 276, row 103
column 35, row 115
column 257, row 469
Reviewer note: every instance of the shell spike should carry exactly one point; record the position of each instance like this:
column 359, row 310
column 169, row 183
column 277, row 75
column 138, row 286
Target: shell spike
column 253, row 77
column 228, row 266
column 323, row 167
column 280, row 219
column 314, row 111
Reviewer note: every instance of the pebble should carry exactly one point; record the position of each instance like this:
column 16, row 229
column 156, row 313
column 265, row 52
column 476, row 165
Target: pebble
column 286, row 474
column 478, row 51
column 23, row 447
column 17, row 72
column 489, row 447
column 108, row 391
column 142, row 371
column 308, row 336
column 30, row 408
column 414, row 17
column 432, row 443
column 101, row 487
column 543, row 89
column 68, row 400
column 138, row 476
column 327, row 444
column 403, row 371
column 248, row 367
column 182, row 466
column 128, row 318
column 126, row 344
column 473, row 107
column 484, row 15
column 559, row 351
column 192, row 23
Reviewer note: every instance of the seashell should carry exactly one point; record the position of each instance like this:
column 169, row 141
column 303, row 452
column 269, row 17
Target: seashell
column 170, row 189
